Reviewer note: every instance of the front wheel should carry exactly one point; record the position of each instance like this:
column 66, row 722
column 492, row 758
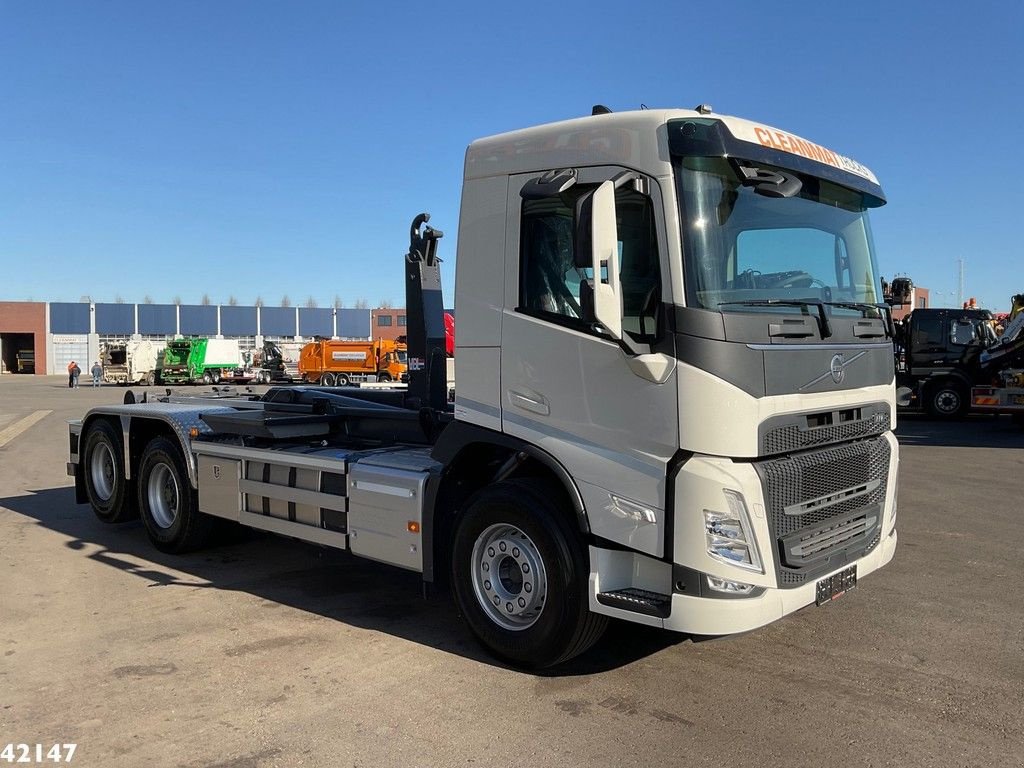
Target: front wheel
column 519, row 573
column 168, row 505
column 947, row 400
column 383, row 376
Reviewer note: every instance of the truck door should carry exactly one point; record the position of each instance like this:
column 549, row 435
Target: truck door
column 566, row 385
column 928, row 347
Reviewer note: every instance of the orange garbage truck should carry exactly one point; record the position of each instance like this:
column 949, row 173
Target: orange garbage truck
column 340, row 363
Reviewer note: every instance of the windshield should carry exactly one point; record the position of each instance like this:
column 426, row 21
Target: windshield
column 402, row 357
column 743, row 248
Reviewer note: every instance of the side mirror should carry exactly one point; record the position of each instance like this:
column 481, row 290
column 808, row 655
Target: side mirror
column 597, row 247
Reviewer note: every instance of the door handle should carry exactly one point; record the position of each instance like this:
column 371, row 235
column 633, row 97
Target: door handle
column 532, row 401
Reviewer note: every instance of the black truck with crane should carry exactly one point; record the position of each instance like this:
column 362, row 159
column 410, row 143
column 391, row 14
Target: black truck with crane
column 951, row 360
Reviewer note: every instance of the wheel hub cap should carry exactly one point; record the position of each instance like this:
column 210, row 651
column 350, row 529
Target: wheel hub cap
column 102, row 470
column 509, row 578
column 162, row 494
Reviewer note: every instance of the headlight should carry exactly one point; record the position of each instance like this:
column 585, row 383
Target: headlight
column 729, row 587
column 728, row 534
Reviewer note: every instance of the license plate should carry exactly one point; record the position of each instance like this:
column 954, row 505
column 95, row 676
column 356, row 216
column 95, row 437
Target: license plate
column 836, row 585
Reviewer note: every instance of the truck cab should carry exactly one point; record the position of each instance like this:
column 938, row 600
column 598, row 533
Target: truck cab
column 392, row 362
column 938, row 357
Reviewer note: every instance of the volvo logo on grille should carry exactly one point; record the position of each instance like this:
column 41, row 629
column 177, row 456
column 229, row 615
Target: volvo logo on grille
column 838, row 369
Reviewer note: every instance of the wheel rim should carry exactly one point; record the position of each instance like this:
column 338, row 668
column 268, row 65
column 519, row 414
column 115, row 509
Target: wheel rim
column 101, row 469
column 947, row 401
column 342, row 381
column 509, row 579
column 162, row 494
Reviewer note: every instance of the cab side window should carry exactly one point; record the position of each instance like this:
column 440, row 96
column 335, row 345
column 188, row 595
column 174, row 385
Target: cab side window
column 928, row 332
column 549, row 278
column 551, row 285
column 639, row 265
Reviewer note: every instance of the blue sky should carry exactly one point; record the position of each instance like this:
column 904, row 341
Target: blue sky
column 268, row 148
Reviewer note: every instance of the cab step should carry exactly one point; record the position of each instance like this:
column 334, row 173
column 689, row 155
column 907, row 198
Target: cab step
column 638, row 601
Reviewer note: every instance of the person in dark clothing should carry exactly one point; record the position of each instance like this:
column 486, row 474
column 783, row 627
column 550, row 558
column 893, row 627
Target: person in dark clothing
column 75, row 373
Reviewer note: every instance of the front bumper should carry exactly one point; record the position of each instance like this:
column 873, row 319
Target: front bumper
column 691, row 606
column 704, row 616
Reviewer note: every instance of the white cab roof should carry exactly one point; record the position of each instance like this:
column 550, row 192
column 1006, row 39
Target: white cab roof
column 631, row 139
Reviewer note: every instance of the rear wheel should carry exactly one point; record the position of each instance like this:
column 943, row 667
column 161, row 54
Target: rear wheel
column 520, row 572
column 207, row 377
column 341, row 380
column 151, row 378
column 947, row 400
column 327, row 380
column 105, row 483
column 168, row 505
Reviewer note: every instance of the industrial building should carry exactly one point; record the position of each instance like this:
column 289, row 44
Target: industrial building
column 43, row 337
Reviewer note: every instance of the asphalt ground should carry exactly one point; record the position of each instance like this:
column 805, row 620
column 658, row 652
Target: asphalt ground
column 268, row 652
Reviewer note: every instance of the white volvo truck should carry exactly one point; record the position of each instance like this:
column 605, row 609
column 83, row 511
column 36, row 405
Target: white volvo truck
column 675, row 397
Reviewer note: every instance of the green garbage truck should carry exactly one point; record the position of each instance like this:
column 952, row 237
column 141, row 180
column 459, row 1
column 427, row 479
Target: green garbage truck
column 190, row 361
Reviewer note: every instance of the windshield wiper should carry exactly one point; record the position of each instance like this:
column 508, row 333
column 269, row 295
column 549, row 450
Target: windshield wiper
column 884, row 309
column 823, row 324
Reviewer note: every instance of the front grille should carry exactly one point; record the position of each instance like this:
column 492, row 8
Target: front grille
column 794, row 437
column 824, row 506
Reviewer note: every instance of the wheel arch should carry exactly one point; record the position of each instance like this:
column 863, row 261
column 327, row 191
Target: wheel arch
column 472, row 458
column 136, row 432
column 141, row 432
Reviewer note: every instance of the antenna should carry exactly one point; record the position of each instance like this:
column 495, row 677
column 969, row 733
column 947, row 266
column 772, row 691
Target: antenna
column 960, row 283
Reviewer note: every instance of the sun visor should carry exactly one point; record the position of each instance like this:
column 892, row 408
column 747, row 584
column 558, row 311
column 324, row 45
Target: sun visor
column 713, row 137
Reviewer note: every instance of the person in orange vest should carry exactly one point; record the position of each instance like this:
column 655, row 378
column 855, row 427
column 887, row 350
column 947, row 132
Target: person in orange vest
column 71, row 373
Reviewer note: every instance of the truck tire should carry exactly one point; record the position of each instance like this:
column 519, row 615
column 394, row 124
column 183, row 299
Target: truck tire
column 151, row 379
column 208, row 377
column 341, row 380
column 947, row 399
column 327, row 380
column 168, row 505
column 383, row 376
column 103, row 467
column 520, row 575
